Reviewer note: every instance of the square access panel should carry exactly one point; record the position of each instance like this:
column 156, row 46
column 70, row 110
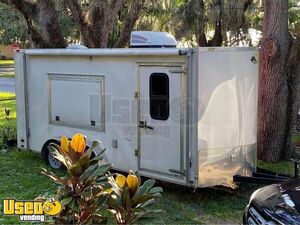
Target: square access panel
column 77, row 101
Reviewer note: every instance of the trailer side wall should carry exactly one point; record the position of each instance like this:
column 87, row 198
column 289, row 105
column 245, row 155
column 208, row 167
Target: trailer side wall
column 227, row 111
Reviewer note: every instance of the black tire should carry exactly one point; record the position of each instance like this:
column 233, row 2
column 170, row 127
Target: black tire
column 48, row 158
column 245, row 222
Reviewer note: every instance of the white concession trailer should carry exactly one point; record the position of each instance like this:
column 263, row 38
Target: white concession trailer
column 186, row 116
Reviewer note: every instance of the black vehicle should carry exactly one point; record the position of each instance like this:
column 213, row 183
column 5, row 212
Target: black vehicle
column 275, row 204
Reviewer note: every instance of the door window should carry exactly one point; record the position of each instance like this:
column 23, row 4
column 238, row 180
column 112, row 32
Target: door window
column 159, row 96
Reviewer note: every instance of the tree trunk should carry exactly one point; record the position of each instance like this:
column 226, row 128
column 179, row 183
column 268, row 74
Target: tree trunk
column 47, row 18
column 217, row 40
column 294, row 99
column 104, row 14
column 129, row 23
column 202, row 40
column 273, row 87
column 96, row 21
column 80, row 20
column 42, row 22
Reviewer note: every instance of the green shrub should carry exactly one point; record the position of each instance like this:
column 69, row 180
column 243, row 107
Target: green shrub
column 8, row 129
column 296, row 140
column 89, row 189
column 129, row 200
column 81, row 192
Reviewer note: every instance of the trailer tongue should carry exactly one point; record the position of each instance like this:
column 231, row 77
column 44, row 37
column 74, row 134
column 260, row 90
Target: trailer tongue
column 262, row 176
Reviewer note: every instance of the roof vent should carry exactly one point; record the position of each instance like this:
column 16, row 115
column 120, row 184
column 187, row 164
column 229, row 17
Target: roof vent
column 76, row 46
column 150, row 39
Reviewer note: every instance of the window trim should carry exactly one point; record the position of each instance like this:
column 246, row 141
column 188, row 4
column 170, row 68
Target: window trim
column 152, row 96
column 100, row 79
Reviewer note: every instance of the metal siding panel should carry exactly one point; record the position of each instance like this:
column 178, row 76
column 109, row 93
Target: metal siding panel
column 21, row 100
column 227, row 114
column 120, row 86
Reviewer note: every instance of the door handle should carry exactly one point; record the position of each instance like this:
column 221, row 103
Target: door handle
column 143, row 124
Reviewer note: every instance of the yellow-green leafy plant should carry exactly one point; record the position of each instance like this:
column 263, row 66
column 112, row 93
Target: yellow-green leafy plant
column 129, row 200
column 7, row 130
column 82, row 191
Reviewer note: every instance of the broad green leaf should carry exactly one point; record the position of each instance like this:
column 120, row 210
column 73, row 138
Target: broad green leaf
column 88, row 172
column 146, row 203
column 55, row 146
column 126, row 199
column 90, row 150
column 115, row 202
column 102, row 198
column 57, row 155
column 155, row 190
column 114, row 186
column 74, row 206
column 156, row 195
column 140, row 199
column 148, row 184
column 76, row 170
column 66, row 201
column 55, row 178
column 73, row 155
column 97, row 159
column 84, row 162
column 101, row 170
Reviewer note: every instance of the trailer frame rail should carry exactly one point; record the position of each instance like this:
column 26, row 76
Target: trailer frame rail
column 263, row 176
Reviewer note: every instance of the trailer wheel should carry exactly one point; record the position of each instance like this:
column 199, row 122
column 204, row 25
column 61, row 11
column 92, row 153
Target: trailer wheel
column 48, row 158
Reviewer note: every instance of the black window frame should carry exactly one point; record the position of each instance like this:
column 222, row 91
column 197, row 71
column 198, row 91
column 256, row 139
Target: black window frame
column 163, row 97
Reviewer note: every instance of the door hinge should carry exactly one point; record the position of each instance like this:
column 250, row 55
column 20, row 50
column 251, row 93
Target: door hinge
column 181, row 70
column 177, row 172
column 137, row 152
column 184, row 69
column 136, row 94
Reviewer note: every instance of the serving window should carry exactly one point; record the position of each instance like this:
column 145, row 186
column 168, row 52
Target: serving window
column 76, row 101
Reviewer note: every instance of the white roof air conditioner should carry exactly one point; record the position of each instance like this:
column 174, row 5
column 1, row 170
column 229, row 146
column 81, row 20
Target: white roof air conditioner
column 150, row 39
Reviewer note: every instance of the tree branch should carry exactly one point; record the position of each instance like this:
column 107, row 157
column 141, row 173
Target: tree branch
column 50, row 29
column 43, row 14
column 104, row 16
column 202, row 40
column 82, row 24
column 133, row 15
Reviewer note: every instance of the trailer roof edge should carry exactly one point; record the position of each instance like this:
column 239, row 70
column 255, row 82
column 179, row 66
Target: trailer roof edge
column 104, row 52
column 127, row 51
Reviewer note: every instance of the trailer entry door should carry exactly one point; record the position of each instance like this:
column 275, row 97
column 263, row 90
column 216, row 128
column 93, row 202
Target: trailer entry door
column 160, row 120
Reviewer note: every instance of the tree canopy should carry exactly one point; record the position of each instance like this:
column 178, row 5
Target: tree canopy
column 12, row 25
column 108, row 23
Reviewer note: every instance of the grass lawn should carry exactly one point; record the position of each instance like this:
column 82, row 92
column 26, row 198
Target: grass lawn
column 6, row 63
column 7, row 104
column 21, row 179
column 7, row 96
column 11, row 123
column 7, row 75
column 283, row 167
